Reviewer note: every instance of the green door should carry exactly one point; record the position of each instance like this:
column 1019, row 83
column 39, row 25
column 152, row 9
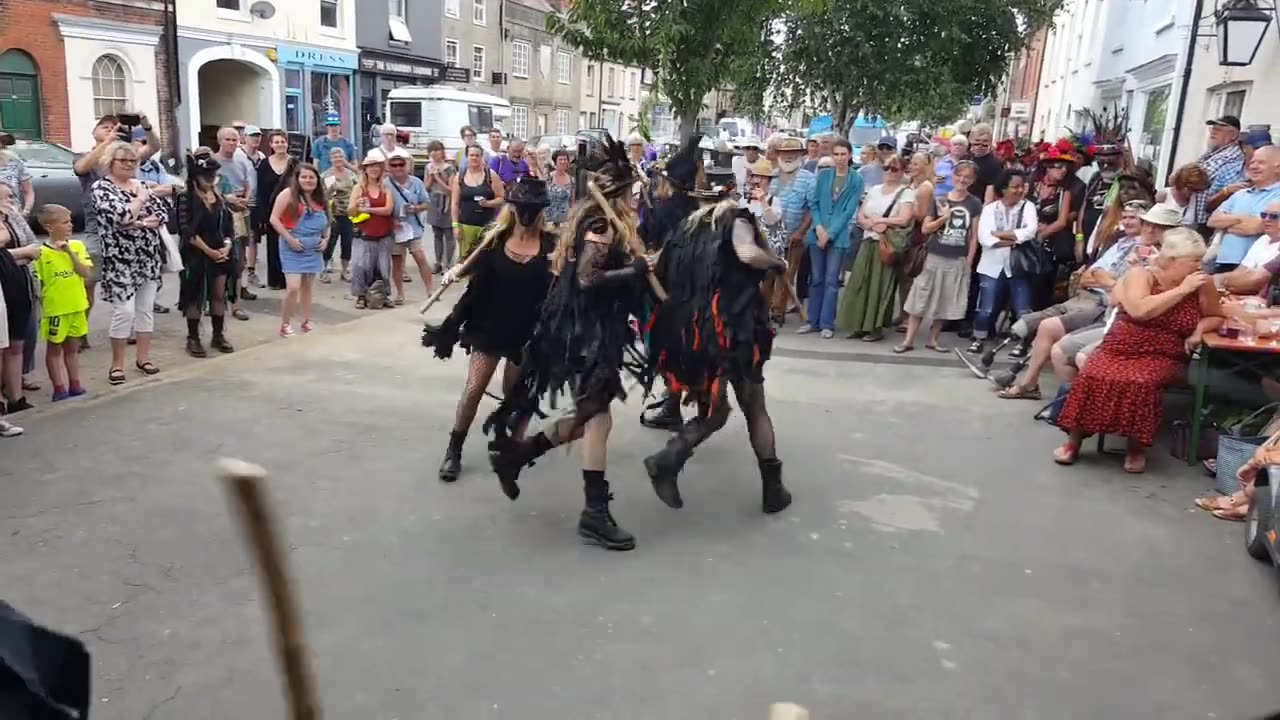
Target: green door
column 20, row 95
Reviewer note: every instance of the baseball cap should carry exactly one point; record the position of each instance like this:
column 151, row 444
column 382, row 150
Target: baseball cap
column 252, row 130
column 1226, row 121
column 888, row 141
column 1256, row 138
column 1162, row 215
column 334, row 119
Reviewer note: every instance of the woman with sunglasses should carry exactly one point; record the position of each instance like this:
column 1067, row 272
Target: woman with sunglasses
column 867, row 306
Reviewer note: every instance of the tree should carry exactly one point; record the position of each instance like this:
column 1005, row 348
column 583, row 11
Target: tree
column 915, row 59
column 692, row 46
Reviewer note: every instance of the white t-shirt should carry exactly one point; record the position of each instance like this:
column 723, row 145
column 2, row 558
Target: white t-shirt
column 1262, row 251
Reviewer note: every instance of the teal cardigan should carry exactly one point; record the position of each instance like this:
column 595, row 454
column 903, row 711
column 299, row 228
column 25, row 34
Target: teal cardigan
column 836, row 214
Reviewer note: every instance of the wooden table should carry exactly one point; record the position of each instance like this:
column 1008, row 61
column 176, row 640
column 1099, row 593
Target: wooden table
column 1250, row 358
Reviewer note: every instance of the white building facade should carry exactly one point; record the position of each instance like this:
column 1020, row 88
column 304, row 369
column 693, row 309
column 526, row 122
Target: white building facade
column 282, row 64
column 610, row 97
column 1070, row 68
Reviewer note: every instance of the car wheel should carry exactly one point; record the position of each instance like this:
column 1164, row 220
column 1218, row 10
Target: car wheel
column 1257, row 524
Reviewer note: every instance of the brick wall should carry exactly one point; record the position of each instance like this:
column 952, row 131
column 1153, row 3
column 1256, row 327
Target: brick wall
column 28, row 25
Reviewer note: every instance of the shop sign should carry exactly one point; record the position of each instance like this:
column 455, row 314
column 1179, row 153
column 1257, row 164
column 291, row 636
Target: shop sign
column 457, row 75
column 391, row 66
column 318, row 57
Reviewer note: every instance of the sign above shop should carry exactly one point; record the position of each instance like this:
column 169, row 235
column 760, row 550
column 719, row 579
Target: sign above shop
column 457, row 75
column 399, row 66
column 314, row 56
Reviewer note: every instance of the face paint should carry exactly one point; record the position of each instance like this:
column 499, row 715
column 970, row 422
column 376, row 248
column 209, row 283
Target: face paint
column 527, row 215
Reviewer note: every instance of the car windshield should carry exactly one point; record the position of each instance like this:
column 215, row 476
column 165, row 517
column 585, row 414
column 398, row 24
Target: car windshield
column 34, row 152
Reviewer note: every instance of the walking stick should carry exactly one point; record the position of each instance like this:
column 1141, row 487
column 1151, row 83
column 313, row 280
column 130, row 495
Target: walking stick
column 637, row 248
column 257, row 521
column 791, row 292
column 462, row 271
column 787, row 711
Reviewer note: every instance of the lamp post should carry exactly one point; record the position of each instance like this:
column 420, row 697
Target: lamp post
column 1241, row 27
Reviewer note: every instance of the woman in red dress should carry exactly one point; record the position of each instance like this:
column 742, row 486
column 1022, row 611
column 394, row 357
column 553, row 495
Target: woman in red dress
column 1163, row 313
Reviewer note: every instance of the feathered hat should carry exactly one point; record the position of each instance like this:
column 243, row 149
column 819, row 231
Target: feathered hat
column 610, row 168
column 715, row 183
column 1109, row 131
column 1062, row 151
column 682, row 167
column 201, row 161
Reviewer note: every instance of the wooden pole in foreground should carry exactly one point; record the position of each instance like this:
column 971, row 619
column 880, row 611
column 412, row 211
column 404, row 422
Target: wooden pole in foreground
column 462, row 272
column 257, row 520
column 787, row 711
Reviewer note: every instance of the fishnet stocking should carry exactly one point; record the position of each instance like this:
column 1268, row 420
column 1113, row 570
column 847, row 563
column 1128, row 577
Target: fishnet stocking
column 714, row 413
column 480, row 371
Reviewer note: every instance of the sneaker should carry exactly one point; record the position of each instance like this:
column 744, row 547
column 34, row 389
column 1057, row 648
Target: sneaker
column 9, row 429
column 975, row 348
column 827, row 334
column 253, row 280
column 246, row 294
column 60, row 395
column 1018, row 353
column 286, row 330
column 307, row 326
column 804, row 329
column 77, row 391
column 19, row 405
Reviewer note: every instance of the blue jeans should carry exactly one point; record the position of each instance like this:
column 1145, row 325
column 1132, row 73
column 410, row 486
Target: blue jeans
column 993, row 295
column 825, row 265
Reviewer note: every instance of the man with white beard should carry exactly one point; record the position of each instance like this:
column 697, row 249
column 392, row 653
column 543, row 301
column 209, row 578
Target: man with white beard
column 792, row 188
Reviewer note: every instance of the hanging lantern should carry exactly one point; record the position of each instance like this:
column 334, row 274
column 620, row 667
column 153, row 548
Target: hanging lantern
column 1241, row 27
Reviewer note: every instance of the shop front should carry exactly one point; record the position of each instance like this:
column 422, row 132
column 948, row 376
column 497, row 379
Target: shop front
column 317, row 81
column 381, row 72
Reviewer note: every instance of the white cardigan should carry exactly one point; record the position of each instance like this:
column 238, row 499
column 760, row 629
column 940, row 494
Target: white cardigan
column 996, row 217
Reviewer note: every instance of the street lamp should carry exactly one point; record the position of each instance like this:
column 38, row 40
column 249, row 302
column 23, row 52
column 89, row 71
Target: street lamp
column 1241, row 27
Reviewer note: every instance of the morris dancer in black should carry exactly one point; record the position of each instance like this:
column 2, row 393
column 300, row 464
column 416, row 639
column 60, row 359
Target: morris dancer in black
column 580, row 343
column 496, row 314
column 713, row 332
column 673, row 207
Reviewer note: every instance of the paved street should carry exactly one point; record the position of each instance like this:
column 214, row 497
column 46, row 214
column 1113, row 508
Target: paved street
column 935, row 563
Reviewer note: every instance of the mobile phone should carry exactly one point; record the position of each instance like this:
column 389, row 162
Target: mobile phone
column 129, row 119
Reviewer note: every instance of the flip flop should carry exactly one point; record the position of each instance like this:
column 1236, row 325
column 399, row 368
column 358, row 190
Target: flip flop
column 148, row 368
column 1013, row 392
column 30, row 386
column 937, row 348
column 899, row 349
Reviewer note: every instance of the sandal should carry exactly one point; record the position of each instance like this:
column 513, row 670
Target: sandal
column 936, row 348
column 1235, row 514
column 361, row 303
column 1014, row 392
column 116, row 376
column 148, row 368
column 239, row 314
column 30, row 386
column 1135, row 463
column 1067, row 453
column 899, row 349
column 1218, row 502
column 399, row 301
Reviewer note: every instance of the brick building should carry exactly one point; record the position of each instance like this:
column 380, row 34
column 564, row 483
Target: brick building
column 63, row 63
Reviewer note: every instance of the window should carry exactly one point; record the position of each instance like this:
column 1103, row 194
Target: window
column 293, row 79
column 451, row 52
column 609, row 85
column 477, row 63
column 519, row 121
column 232, row 5
column 582, row 121
column 562, row 122
column 480, row 116
column 635, row 84
column 592, row 118
column 293, row 112
column 110, row 86
column 329, row 14
column 591, row 80
column 1233, row 103
column 405, row 113
column 520, row 59
column 398, row 9
column 399, row 30
column 564, row 67
column 479, row 12
column 451, row 8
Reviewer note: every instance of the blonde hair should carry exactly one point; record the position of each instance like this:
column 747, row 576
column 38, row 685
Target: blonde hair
column 362, row 180
column 717, row 210
column 584, row 212
column 50, row 212
column 116, row 147
column 928, row 165
column 1181, row 242
column 504, row 224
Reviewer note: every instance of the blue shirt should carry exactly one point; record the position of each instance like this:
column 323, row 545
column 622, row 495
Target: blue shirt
column 414, row 192
column 794, row 198
column 1248, row 202
column 834, row 212
column 322, row 146
column 945, row 169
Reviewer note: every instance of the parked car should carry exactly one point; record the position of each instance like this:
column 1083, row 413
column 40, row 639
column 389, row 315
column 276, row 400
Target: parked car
column 53, row 175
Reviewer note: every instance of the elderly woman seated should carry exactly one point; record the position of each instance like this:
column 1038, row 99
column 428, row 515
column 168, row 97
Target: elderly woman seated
column 1164, row 311
column 1143, row 228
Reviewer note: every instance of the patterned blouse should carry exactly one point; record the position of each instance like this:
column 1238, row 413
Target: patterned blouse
column 561, row 197
column 131, row 255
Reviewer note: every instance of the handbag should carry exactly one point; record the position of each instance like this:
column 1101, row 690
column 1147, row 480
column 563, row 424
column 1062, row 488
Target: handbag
column 888, row 246
column 172, row 260
column 1030, row 258
column 913, row 263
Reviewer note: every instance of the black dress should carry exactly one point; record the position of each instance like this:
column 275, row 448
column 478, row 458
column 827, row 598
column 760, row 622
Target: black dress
column 270, row 183
column 212, row 225
column 497, row 312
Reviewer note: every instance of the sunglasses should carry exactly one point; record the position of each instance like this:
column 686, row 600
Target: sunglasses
column 396, row 163
column 1273, row 216
column 893, row 168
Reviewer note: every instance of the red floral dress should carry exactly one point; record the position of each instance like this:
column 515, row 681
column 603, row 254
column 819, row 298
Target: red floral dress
column 1121, row 389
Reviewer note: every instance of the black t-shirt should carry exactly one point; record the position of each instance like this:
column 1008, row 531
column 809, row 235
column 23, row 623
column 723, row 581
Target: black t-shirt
column 952, row 240
column 15, row 284
column 989, row 171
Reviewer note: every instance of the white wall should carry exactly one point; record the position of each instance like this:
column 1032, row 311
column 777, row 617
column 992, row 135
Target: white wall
column 87, row 39
column 1211, row 83
column 294, row 21
column 1070, row 67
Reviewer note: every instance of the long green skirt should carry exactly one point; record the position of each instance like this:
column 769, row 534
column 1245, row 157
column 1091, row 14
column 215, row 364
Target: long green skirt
column 869, row 296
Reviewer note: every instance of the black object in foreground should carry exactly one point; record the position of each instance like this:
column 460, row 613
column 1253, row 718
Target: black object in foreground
column 44, row 675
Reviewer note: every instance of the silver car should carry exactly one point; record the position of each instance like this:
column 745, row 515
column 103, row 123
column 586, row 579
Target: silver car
column 53, row 176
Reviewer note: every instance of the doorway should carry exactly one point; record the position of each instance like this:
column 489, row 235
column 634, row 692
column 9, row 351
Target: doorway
column 20, row 95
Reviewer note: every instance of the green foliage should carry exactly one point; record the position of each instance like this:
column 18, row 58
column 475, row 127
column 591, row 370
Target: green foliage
column 692, row 46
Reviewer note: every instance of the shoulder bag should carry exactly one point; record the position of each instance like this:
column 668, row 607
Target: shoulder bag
column 1031, row 258
column 890, row 243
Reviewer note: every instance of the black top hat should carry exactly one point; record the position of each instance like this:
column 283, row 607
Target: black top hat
column 202, row 162
column 682, row 166
column 611, row 169
column 528, row 191
column 716, row 183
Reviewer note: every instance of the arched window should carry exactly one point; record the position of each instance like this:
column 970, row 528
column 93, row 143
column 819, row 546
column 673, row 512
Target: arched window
column 110, row 86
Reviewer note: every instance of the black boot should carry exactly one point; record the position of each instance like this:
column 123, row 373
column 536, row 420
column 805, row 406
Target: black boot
column 665, row 413
column 664, row 469
column 451, row 466
column 596, row 525
column 508, row 457
column 775, row 497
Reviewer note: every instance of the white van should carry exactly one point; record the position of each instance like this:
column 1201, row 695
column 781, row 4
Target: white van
column 437, row 112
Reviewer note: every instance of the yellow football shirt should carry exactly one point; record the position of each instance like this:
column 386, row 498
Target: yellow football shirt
column 61, row 288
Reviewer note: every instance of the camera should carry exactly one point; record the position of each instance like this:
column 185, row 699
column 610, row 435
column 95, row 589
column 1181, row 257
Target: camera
column 127, row 122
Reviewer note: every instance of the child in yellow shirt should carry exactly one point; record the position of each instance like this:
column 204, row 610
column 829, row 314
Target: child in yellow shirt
column 61, row 268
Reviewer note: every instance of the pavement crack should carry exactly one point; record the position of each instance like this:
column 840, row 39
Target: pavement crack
column 55, row 508
column 160, row 704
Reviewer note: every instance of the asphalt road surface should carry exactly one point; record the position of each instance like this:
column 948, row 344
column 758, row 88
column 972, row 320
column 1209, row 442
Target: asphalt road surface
column 935, row 562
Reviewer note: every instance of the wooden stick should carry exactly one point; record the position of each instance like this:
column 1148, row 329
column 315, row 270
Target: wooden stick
column 791, row 291
column 637, row 248
column 462, row 272
column 257, row 520
column 787, row 711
